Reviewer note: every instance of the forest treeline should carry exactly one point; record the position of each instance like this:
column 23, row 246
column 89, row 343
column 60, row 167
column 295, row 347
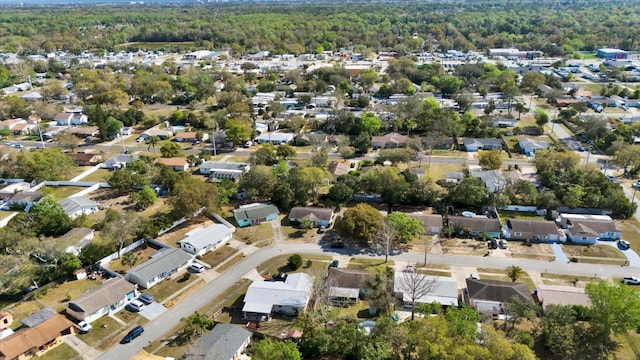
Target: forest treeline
column 557, row 28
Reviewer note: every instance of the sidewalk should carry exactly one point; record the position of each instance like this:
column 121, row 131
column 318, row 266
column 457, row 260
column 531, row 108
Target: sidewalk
column 86, row 351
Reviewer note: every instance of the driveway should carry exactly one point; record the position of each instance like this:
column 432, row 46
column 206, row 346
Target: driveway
column 558, row 253
column 632, row 256
column 153, row 310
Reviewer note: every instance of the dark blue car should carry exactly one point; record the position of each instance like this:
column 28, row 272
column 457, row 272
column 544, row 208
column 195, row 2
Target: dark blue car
column 134, row 333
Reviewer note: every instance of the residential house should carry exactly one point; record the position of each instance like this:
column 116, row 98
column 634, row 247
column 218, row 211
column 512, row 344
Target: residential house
column 106, row 299
column 533, row 230
column 191, row 136
column 35, row 340
column 162, row 264
column 24, row 200
column 224, row 170
column 307, row 139
column 338, row 168
column 70, row 118
column 77, row 239
column 562, row 295
column 529, row 146
column 444, row 289
column 502, row 122
column 176, row 163
column 347, row 286
column 389, row 141
column 275, row 138
column 418, row 172
column 475, row 226
column 126, row 131
column 454, row 176
column 78, row 205
column 265, row 298
column 224, row 342
column 17, row 126
column 489, row 297
column 588, row 229
column 254, row 214
column 432, row 222
column 86, row 159
column 493, row 180
column 474, row 144
column 119, row 161
column 319, row 216
column 202, row 240
column 6, row 319
column 161, row 134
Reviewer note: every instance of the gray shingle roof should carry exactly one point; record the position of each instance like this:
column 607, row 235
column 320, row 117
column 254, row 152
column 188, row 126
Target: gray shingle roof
column 255, row 212
column 495, row 290
column 107, row 294
column 221, row 343
column 165, row 260
column 72, row 204
column 478, row 224
column 38, row 317
column 313, row 213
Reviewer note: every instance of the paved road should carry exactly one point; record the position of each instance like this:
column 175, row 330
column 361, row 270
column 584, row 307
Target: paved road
column 155, row 329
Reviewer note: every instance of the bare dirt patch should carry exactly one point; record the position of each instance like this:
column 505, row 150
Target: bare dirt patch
column 462, row 246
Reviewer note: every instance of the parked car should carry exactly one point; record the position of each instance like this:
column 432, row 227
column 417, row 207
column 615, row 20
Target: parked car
column 636, row 185
column 631, row 280
column 196, row 268
column 503, row 244
column 492, row 244
column 335, row 263
column 134, row 333
column 146, row 298
column 135, row 306
column 624, row 244
column 84, row 327
column 322, row 229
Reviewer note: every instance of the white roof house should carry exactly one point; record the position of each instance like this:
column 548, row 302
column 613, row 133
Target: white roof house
column 444, row 292
column 290, row 296
column 202, row 240
column 78, row 205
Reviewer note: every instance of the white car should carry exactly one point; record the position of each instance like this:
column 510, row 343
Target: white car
column 196, row 268
column 135, row 306
column 503, row 244
column 84, row 326
column 631, row 280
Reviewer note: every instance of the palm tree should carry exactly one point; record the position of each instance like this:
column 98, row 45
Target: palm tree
column 514, row 272
column 196, row 323
column 153, row 141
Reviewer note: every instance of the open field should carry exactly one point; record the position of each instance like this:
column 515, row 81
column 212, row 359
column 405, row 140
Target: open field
column 254, row 233
column 62, row 351
column 216, row 257
column 598, row 251
column 100, row 175
column 61, row 192
column 169, row 287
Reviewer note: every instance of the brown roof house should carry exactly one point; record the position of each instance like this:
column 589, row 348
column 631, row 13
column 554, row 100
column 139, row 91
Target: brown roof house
column 432, row 222
column 40, row 333
column 489, row 297
column 319, row 216
column 475, row 226
column 347, row 286
column 588, row 229
column 338, row 169
column 389, row 141
column 176, row 163
column 536, row 231
column 108, row 298
column 86, row 159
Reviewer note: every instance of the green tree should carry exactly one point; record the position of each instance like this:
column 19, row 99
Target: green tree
column 340, row 193
column 47, row 164
column 319, row 157
column 541, row 117
column 265, row 155
column 196, row 324
column 67, row 140
column 237, row 130
column 514, row 272
column 614, row 307
column 112, row 127
column 69, row 263
column 153, row 141
column 285, row 151
column 129, row 259
column 267, row 349
column 406, row 227
column 306, row 182
column 463, row 321
column 470, row 192
column 48, row 217
column 125, row 180
column 369, row 123
column 294, row 262
column 509, row 92
column 627, row 156
column 145, row 197
column 560, row 331
column 259, row 182
column 170, row 149
column 306, row 224
column 191, row 195
column 531, row 81
column 490, row 159
column 449, row 85
column 368, row 78
column 361, row 223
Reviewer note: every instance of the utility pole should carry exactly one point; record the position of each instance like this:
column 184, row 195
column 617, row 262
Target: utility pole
column 633, row 200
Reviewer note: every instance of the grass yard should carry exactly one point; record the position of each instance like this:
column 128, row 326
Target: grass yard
column 169, row 287
column 54, row 298
column 234, row 260
column 61, row 192
column 519, row 215
column 4, row 214
column 216, row 257
column 596, row 251
column 254, row 233
column 594, row 88
column 75, row 171
column 360, row 263
column 437, row 171
column 131, row 318
column 631, row 232
column 62, row 351
column 143, row 253
column 99, row 175
column 105, row 331
column 566, row 280
column 447, row 153
column 525, row 279
column 172, row 237
column 238, row 158
column 525, row 120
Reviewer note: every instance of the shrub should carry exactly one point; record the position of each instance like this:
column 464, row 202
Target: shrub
column 309, row 263
column 186, row 276
column 524, row 338
column 294, row 262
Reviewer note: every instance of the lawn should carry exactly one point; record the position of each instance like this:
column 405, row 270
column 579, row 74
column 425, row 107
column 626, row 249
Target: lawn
column 104, row 329
column 54, row 297
column 597, row 251
column 100, row 175
column 142, row 253
column 234, row 260
column 360, row 263
column 448, row 153
column 4, row 214
column 174, row 236
column 62, row 351
column 631, row 232
column 566, row 280
column 61, row 192
column 519, row 215
column 238, row 158
column 75, row 171
column 253, row 234
column 169, row 287
column 216, row 257
column 131, row 318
